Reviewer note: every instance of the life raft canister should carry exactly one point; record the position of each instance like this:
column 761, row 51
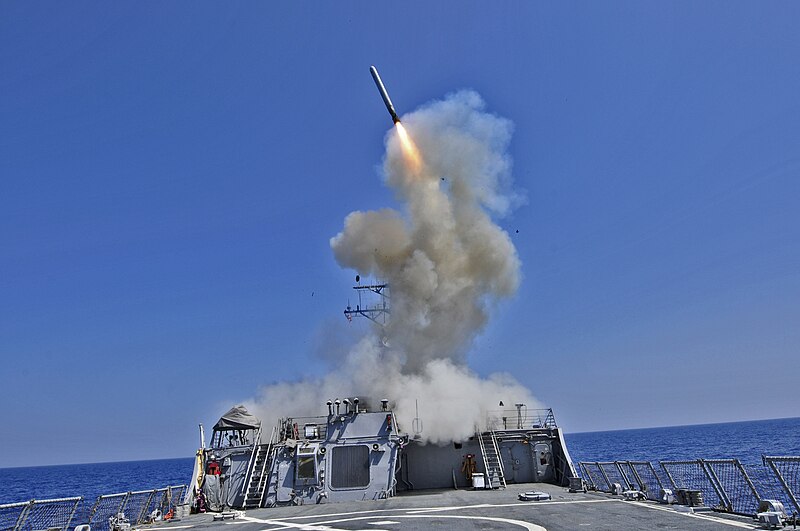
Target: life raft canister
column 213, row 469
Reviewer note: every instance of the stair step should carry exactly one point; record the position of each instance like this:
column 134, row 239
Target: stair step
column 492, row 460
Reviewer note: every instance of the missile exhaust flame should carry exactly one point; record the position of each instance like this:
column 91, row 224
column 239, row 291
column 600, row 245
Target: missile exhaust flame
column 409, row 148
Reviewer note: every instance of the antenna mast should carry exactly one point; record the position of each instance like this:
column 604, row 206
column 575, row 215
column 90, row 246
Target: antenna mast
column 377, row 312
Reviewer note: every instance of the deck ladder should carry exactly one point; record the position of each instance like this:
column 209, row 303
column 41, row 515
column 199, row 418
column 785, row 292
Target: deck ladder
column 259, row 473
column 492, row 462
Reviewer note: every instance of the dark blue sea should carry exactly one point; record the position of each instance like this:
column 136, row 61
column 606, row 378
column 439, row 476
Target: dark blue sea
column 91, row 480
column 746, row 441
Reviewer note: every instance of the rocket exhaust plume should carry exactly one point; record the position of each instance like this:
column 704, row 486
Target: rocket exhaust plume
column 409, row 149
column 446, row 261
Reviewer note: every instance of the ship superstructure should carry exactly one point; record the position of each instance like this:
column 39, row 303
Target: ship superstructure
column 357, row 451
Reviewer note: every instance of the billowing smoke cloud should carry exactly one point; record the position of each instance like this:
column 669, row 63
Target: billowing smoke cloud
column 445, row 261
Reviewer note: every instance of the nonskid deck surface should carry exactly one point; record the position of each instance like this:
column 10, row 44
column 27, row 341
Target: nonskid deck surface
column 468, row 509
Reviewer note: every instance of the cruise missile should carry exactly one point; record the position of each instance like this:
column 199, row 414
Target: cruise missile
column 384, row 94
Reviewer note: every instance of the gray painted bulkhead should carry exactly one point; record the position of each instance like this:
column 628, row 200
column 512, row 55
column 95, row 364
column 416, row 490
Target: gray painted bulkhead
column 528, row 456
column 227, row 489
column 344, row 458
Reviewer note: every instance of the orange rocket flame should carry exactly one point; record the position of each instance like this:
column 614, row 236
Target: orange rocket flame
column 409, row 149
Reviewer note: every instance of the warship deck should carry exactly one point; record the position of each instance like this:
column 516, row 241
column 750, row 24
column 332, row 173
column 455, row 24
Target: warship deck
column 474, row 509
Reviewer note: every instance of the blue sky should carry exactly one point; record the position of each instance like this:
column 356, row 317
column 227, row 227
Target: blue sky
column 171, row 173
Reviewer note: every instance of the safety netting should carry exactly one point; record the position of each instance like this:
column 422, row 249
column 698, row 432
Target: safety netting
column 738, row 490
column 105, row 507
column 613, row 474
column 136, row 505
column 161, row 502
column 594, row 476
column 648, row 479
column 10, row 514
column 48, row 514
column 692, row 475
column 725, row 484
column 787, row 471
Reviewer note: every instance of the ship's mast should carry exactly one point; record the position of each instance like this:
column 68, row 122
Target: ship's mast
column 377, row 312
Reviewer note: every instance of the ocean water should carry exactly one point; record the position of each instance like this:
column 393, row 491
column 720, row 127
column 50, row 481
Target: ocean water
column 91, row 480
column 746, row 441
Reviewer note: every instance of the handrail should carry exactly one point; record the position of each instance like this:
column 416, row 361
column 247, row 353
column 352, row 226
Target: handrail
column 50, row 500
column 511, row 419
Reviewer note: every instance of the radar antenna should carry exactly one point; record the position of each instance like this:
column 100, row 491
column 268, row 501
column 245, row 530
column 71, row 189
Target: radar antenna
column 377, row 312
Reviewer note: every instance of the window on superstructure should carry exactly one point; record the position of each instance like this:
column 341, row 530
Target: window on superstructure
column 306, row 466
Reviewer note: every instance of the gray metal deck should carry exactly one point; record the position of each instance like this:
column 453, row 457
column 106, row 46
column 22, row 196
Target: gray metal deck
column 467, row 509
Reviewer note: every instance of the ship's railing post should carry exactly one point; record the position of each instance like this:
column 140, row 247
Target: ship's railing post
column 716, row 485
column 122, row 503
column 587, row 480
column 669, row 476
column 601, row 465
column 93, row 510
column 794, row 479
column 175, row 499
column 23, row 515
column 136, row 503
column 632, row 472
column 747, row 479
column 739, row 491
column 628, row 482
column 74, row 510
column 587, row 468
column 104, row 508
column 648, row 478
column 143, row 511
column 587, row 476
column 603, row 473
column 156, row 502
column 13, row 514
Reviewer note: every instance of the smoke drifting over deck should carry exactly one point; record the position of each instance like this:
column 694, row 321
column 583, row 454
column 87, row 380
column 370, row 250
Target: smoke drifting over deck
column 446, row 262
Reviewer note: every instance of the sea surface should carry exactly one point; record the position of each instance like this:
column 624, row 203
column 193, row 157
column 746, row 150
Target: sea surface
column 91, row 480
column 746, row 441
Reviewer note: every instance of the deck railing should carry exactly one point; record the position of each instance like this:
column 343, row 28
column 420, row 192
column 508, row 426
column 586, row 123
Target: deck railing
column 66, row 513
column 522, row 418
column 727, row 485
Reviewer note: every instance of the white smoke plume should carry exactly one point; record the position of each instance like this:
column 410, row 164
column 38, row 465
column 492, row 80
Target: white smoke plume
column 445, row 261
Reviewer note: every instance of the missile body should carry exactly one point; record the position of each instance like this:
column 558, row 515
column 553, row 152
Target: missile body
column 384, row 94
